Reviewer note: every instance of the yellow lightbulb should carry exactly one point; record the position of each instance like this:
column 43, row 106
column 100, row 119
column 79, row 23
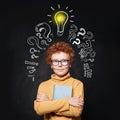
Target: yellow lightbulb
column 61, row 18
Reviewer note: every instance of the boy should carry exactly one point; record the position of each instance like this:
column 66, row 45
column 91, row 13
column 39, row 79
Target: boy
column 60, row 56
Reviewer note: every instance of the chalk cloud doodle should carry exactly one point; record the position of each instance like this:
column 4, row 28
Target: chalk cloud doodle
column 81, row 38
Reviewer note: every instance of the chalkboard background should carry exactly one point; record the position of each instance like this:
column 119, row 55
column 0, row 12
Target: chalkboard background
column 17, row 90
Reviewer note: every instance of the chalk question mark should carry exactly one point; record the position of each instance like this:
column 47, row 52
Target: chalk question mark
column 43, row 31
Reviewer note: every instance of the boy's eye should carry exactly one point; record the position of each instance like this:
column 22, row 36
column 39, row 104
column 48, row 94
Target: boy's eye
column 54, row 60
column 64, row 60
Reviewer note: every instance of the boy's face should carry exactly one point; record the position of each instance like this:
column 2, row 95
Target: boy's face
column 60, row 63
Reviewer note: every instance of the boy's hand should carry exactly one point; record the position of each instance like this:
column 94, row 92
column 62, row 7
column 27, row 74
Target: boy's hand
column 42, row 97
column 76, row 101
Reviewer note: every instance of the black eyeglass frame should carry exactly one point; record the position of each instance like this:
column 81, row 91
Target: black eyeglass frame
column 61, row 61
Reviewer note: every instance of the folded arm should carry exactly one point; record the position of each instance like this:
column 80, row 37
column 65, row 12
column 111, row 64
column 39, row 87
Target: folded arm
column 76, row 103
column 66, row 106
column 43, row 105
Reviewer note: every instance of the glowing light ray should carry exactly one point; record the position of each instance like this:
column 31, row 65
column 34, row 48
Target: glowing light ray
column 59, row 6
column 71, row 11
column 66, row 10
column 52, row 8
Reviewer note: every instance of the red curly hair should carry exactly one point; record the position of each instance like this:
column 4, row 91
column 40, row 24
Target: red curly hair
column 60, row 47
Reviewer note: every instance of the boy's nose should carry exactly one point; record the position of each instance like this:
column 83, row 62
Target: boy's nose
column 59, row 63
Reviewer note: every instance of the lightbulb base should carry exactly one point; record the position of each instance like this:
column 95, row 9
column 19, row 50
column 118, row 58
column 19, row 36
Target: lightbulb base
column 59, row 33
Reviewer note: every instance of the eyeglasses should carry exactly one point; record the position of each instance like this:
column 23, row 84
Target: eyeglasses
column 63, row 62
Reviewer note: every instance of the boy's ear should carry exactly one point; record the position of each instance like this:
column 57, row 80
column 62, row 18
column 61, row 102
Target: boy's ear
column 51, row 66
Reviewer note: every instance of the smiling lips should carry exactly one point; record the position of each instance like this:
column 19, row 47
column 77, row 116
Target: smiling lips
column 61, row 70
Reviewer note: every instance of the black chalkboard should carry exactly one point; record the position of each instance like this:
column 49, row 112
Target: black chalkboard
column 21, row 74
